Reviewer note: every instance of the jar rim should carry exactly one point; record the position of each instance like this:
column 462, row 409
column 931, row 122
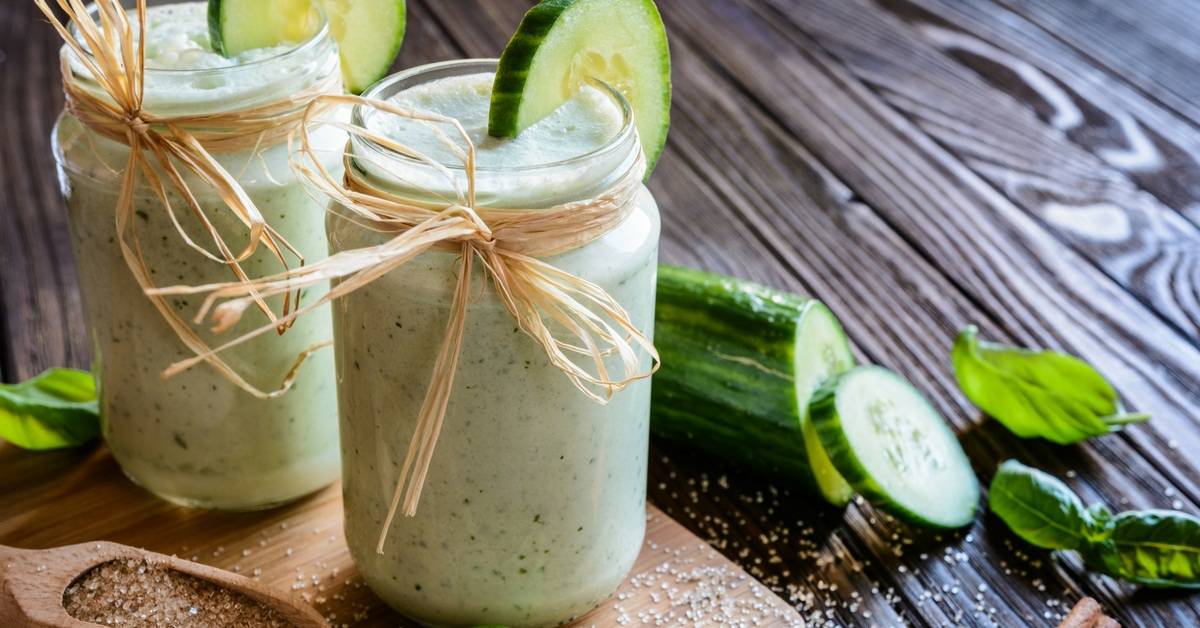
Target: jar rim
column 393, row 84
column 320, row 34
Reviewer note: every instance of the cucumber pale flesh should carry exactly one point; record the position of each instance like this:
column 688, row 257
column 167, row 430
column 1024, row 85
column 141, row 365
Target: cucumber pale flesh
column 369, row 34
column 739, row 362
column 235, row 26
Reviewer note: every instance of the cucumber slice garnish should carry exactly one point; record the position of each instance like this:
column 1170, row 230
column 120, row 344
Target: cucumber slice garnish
column 235, row 26
column 893, row 447
column 368, row 32
column 562, row 43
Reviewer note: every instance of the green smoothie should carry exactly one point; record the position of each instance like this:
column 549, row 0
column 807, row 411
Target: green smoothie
column 197, row 439
column 534, row 507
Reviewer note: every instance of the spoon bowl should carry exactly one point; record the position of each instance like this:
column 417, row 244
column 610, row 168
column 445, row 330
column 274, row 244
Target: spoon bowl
column 32, row 583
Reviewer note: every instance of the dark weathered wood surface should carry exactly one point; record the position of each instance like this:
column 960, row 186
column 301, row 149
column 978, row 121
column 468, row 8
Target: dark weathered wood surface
column 1032, row 166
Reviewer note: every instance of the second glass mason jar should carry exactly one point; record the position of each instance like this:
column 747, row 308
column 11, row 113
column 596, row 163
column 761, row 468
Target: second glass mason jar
column 196, row 439
column 533, row 510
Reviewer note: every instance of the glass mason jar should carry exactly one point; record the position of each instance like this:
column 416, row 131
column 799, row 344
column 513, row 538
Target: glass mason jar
column 196, row 439
column 533, row 510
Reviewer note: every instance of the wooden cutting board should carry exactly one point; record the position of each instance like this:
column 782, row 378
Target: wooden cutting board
column 59, row 498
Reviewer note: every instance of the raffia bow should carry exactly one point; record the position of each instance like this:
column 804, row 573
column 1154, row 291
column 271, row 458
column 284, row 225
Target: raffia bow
column 159, row 145
column 506, row 241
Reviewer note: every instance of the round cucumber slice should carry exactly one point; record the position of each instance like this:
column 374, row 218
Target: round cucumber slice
column 368, row 32
column 561, row 43
column 894, row 448
column 822, row 351
column 235, row 26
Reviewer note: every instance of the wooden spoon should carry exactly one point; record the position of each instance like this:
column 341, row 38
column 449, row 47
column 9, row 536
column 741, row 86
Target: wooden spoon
column 32, row 583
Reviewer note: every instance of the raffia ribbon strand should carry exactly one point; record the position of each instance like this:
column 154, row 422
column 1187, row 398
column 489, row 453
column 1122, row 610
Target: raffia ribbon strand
column 159, row 145
column 506, row 241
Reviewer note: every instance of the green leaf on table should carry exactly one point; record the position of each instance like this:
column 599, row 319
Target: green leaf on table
column 1154, row 548
column 1037, row 393
column 53, row 410
column 1042, row 510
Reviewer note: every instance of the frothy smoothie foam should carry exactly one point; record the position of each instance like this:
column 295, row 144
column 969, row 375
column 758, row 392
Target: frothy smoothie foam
column 179, row 40
column 185, row 74
column 584, row 123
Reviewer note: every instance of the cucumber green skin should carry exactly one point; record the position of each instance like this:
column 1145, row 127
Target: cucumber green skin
column 214, row 27
column 515, row 62
column 517, row 58
column 823, row 412
column 730, row 408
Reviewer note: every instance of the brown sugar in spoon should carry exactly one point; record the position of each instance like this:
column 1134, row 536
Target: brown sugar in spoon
column 33, row 583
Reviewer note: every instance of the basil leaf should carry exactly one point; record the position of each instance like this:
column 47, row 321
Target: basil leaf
column 1037, row 393
column 1100, row 525
column 1154, row 548
column 1041, row 509
column 53, row 410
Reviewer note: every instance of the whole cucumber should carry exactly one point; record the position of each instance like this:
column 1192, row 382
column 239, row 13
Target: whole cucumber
column 739, row 364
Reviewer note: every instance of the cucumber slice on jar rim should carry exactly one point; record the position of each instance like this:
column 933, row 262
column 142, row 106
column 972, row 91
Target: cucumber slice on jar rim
column 562, row 43
column 894, row 448
column 368, row 32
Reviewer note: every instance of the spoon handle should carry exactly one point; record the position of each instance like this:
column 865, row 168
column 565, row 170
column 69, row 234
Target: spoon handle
column 8, row 553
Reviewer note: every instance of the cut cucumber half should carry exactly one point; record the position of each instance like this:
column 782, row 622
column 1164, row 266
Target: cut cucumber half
column 562, row 43
column 893, row 447
column 368, row 32
column 739, row 364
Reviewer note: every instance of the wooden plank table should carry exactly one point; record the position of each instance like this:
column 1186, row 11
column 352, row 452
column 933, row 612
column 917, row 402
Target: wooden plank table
column 65, row 498
column 1031, row 166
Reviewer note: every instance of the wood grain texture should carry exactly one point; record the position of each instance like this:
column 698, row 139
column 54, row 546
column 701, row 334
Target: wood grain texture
column 299, row 551
column 988, row 246
column 1143, row 245
column 42, row 320
column 1007, row 282
column 772, row 192
column 910, row 163
column 1151, row 144
column 928, row 368
column 1151, row 45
